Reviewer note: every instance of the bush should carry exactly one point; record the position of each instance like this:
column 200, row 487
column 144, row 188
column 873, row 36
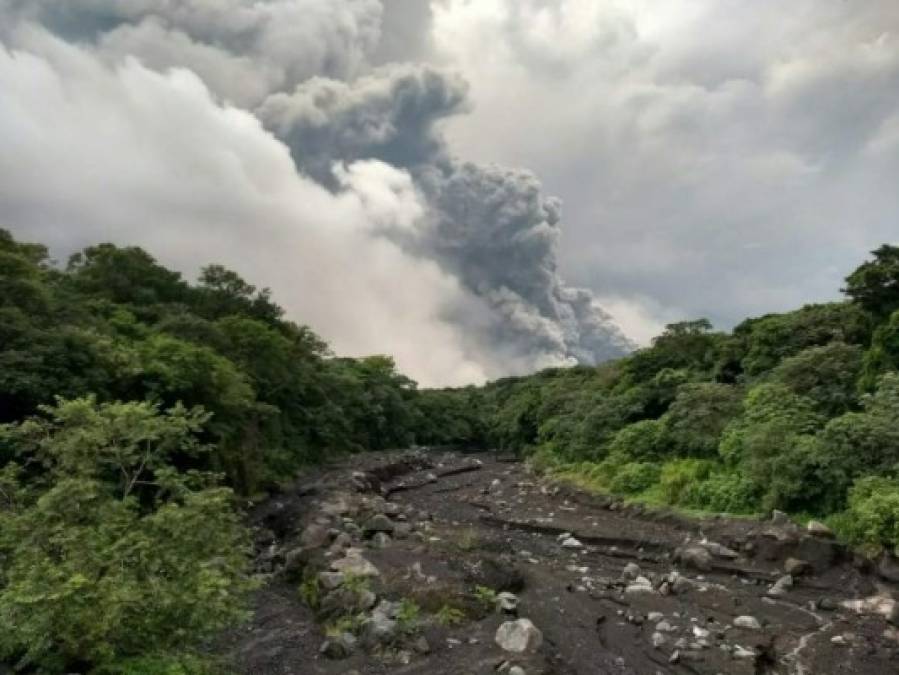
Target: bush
column 114, row 553
column 872, row 519
column 678, row 475
column 635, row 477
column 722, row 492
column 639, row 441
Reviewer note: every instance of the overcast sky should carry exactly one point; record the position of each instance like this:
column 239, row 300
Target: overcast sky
column 477, row 187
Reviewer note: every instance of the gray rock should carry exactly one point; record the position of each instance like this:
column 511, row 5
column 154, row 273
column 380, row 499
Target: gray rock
column 781, row 586
column 421, row 646
column 571, row 542
column 631, row 571
column 697, row 557
column 378, row 523
column 518, row 636
column 719, row 550
column 658, row 640
column 796, row 567
column 380, row 540
column 818, row 529
column 655, row 617
column 315, row 536
column 355, row 564
column 330, row 580
column 401, row 530
column 343, row 601
column 378, row 629
column 339, row 647
column 780, row 518
column 507, row 602
column 516, row 670
column 747, row 622
column 888, row 568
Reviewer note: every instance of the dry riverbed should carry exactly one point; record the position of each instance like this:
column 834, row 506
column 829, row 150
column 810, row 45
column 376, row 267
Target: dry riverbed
column 433, row 563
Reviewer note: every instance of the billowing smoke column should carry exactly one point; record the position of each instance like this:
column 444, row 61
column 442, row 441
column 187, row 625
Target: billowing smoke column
column 303, row 67
column 489, row 225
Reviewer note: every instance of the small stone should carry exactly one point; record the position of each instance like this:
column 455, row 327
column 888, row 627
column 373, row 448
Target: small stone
column 655, row 617
column 355, row 565
column 507, row 602
column 401, row 530
column 516, row 670
column 380, row 540
column 819, row 529
column 571, row 542
column 743, row 653
column 664, row 627
column 631, row 571
column 378, row 523
column 518, row 636
column 421, row 645
column 330, row 580
column 748, row 622
column 838, row 640
column 697, row 557
column 314, row 536
column 431, row 478
column 658, row 640
column 781, row 586
column 675, row 657
column 339, row 647
column 780, row 518
column 796, row 567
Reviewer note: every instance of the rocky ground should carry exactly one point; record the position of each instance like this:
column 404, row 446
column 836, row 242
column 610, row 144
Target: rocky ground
column 438, row 563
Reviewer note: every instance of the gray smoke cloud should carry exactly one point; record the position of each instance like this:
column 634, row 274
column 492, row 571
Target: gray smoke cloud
column 491, row 226
column 476, row 242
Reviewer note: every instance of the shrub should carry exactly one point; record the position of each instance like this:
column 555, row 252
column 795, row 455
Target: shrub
column 872, row 519
column 639, row 441
column 722, row 492
column 678, row 475
column 635, row 477
column 114, row 553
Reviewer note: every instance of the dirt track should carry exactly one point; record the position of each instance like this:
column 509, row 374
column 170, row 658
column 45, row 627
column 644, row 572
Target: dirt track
column 476, row 521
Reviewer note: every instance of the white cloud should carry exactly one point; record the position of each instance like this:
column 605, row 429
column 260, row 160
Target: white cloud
column 128, row 154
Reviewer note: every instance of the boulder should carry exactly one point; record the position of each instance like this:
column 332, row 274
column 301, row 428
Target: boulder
column 378, row 523
column 747, row 622
column 507, row 602
column 781, row 586
column 518, row 636
column 339, row 647
column 888, row 568
column 380, row 540
column 796, row 567
column 378, row 629
column 631, row 571
column 355, row 565
column 818, row 529
column 697, row 557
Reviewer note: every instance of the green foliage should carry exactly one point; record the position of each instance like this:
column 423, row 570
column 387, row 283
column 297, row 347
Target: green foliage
column 635, row 477
column 407, row 616
column 677, row 476
column 883, row 355
column 486, row 597
column 874, row 285
column 449, row 616
column 872, row 519
column 113, row 551
column 699, row 414
column 826, row 375
column 640, row 441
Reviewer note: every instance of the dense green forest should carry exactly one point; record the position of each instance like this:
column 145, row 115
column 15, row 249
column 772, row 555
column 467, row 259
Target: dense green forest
column 795, row 411
column 138, row 409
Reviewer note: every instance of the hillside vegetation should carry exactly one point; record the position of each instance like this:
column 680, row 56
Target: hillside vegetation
column 138, row 411
column 793, row 411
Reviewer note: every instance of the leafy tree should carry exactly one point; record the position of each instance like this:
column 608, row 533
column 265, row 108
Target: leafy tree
column 874, row 285
column 698, row 416
column 826, row 375
column 883, row 356
column 112, row 551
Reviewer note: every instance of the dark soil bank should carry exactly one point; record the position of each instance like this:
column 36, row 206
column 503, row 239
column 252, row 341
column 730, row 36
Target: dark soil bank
column 391, row 551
